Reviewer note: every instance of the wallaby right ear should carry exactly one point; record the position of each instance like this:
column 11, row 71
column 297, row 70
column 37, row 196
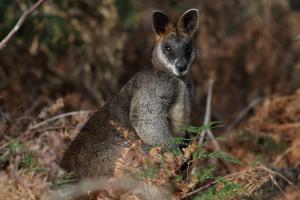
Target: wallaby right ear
column 160, row 22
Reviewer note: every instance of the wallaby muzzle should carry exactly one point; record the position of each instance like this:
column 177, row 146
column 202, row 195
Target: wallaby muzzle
column 181, row 65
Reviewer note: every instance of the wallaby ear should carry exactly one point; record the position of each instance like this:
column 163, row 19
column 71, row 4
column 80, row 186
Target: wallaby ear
column 160, row 22
column 189, row 20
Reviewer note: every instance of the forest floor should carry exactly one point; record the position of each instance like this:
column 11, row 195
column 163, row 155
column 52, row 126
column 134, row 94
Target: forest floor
column 31, row 152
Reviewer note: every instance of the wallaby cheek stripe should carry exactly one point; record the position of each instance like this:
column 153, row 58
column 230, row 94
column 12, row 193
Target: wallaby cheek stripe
column 165, row 61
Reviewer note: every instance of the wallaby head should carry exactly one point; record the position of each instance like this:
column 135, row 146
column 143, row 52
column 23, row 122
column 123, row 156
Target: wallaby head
column 174, row 51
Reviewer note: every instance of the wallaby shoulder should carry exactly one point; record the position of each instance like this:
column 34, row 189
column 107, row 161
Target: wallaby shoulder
column 148, row 84
column 160, row 107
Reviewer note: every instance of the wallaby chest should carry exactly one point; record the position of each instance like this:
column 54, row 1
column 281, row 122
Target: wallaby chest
column 180, row 111
column 164, row 95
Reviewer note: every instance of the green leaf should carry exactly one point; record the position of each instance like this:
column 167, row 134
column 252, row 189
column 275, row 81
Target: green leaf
column 16, row 146
column 179, row 178
column 206, row 127
column 180, row 140
column 207, row 174
column 177, row 152
column 150, row 172
column 229, row 189
column 29, row 160
column 207, row 195
column 224, row 156
column 200, row 154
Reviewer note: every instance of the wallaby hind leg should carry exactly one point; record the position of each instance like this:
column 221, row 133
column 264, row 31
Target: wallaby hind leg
column 88, row 157
column 95, row 150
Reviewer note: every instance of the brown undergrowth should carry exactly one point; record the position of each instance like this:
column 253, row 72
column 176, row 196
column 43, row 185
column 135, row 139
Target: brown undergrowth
column 31, row 147
column 29, row 160
column 270, row 137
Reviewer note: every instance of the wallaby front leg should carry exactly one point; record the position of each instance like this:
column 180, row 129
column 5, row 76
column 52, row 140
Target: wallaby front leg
column 150, row 121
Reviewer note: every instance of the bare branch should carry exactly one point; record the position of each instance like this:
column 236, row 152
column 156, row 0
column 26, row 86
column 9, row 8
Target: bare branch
column 285, row 153
column 200, row 189
column 58, row 117
column 20, row 23
column 277, row 174
column 206, row 121
column 207, row 109
column 257, row 181
column 206, row 186
column 207, row 118
column 243, row 113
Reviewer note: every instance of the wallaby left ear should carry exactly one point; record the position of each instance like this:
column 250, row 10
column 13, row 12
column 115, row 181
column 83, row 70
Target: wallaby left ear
column 188, row 22
column 160, row 22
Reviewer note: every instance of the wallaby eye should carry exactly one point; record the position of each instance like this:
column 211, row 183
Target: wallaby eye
column 167, row 47
column 188, row 48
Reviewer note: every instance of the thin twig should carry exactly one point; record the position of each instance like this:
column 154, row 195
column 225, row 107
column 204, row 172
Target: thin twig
column 243, row 113
column 20, row 23
column 200, row 189
column 56, row 118
column 286, row 152
column 213, row 139
column 207, row 109
column 206, row 121
column 277, row 174
column 6, row 144
column 283, row 127
column 207, row 185
column 271, row 172
column 33, row 128
column 276, row 184
column 51, row 128
column 208, row 116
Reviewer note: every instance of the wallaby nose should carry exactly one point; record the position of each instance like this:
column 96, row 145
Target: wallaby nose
column 181, row 65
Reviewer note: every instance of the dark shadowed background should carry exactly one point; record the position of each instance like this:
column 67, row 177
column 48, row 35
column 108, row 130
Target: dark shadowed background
column 84, row 51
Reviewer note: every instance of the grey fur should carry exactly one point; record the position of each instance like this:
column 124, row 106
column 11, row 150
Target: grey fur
column 155, row 104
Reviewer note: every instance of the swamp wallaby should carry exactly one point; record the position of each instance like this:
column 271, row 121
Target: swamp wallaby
column 154, row 105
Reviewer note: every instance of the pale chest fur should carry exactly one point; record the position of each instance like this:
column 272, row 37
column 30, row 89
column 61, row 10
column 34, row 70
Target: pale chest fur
column 180, row 111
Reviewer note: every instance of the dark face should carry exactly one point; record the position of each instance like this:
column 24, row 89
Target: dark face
column 174, row 51
column 177, row 53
